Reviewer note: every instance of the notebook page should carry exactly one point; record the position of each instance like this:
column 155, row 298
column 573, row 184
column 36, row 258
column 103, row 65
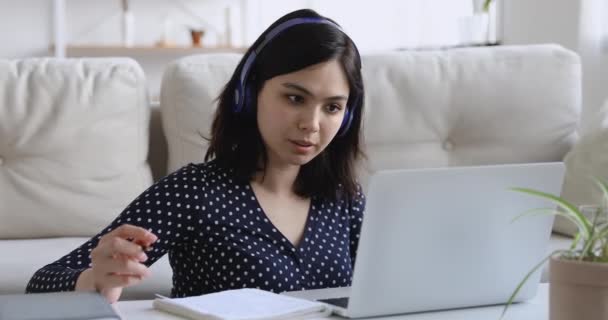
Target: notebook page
column 242, row 304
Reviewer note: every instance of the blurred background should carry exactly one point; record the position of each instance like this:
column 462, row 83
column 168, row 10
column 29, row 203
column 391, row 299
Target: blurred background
column 156, row 32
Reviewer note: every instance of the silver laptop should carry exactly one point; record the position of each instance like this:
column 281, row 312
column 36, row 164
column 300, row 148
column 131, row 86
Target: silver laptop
column 435, row 239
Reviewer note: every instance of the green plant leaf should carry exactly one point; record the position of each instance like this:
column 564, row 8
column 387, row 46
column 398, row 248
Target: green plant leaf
column 578, row 218
column 486, row 5
column 587, row 251
column 600, row 234
column 604, row 187
column 523, row 281
column 536, row 212
column 544, row 211
column 575, row 241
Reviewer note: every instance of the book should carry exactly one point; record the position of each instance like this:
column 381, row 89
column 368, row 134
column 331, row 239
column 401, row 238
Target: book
column 56, row 306
column 242, row 304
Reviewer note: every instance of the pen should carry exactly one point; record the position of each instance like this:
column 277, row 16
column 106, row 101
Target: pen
column 143, row 247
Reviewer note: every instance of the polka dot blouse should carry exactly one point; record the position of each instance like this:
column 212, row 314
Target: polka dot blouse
column 218, row 238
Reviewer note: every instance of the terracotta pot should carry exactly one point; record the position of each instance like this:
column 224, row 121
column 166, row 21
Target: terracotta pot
column 196, row 35
column 578, row 290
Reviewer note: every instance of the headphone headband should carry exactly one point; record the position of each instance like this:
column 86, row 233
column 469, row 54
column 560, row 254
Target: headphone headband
column 290, row 23
column 241, row 91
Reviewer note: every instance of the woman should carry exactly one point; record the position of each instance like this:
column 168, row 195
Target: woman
column 275, row 206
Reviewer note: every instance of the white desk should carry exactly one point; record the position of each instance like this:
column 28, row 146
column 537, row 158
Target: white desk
column 535, row 309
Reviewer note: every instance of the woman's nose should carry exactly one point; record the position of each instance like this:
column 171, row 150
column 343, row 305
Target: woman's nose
column 309, row 120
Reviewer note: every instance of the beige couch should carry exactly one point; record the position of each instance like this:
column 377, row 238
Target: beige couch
column 78, row 139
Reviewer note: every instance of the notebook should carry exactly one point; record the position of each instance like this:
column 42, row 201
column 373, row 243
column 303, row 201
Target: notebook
column 242, row 304
column 56, row 306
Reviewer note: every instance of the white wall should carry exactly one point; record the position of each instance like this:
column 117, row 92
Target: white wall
column 25, row 28
column 102, row 22
column 540, row 21
column 563, row 22
column 26, row 25
column 387, row 24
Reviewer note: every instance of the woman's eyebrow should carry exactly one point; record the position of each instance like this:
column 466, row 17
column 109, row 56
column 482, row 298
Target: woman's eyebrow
column 308, row 93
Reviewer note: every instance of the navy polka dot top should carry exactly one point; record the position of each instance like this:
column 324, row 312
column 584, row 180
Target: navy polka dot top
column 218, row 238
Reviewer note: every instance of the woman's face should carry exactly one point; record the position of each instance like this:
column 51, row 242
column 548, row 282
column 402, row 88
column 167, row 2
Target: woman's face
column 299, row 113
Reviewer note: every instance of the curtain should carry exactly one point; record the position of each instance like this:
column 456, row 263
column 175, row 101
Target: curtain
column 593, row 49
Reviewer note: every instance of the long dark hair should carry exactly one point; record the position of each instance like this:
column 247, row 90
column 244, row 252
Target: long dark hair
column 236, row 142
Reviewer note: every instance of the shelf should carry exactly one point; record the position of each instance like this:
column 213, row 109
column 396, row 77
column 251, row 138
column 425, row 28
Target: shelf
column 61, row 47
column 109, row 50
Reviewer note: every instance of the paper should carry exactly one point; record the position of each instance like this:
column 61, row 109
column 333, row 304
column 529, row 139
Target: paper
column 242, row 304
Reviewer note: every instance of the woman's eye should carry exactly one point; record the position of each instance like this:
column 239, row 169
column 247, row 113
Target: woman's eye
column 333, row 108
column 295, row 99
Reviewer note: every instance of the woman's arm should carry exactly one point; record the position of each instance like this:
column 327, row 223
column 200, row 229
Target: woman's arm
column 357, row 208
column 158, row 217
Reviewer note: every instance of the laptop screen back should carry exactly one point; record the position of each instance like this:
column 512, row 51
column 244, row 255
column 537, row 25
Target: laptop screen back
column 444, row 238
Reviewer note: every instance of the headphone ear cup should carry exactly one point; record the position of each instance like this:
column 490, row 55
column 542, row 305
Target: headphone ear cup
column 238, row 99
column 345, row 122
column 247, row 106
column 349, row 114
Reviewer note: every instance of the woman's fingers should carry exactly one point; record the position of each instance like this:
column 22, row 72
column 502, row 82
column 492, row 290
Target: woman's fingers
column 137, row 234
column 125, row 266
column 117, row 258
column 119, row 246
column 122, row 265
column 128, row 240
column 113, row 247
column 116, row 280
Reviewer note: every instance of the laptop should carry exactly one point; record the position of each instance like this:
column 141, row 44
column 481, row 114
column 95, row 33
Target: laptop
column 438, row 239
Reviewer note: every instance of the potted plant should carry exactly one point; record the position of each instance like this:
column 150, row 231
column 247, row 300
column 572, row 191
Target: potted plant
column 578, row 277
column 486, row 5
column 476, row 28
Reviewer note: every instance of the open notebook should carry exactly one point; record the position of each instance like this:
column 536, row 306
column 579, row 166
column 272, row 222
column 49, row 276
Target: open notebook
column 242, row 304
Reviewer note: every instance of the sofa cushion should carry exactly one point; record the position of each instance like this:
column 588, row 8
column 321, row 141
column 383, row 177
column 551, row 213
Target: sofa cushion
column 472, row 106
column 74, row 144
column 22, row 258
column 189, row 88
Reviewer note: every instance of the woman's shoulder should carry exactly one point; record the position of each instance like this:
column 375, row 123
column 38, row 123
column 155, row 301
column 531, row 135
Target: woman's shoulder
column 356, row 201
column 355, row 195
column 204, row 171
column 345, row 199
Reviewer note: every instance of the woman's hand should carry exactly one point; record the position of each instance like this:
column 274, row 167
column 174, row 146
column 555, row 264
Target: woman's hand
column 116, row 262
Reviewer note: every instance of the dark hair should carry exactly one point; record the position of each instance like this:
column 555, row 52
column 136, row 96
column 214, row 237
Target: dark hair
column 236, row 142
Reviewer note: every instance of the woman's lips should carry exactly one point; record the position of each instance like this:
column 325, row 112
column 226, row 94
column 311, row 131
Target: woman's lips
column 302, row 143
column 302, row 146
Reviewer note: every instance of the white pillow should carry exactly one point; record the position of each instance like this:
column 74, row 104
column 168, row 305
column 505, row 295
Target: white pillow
column 73, row 144
column 587, row 159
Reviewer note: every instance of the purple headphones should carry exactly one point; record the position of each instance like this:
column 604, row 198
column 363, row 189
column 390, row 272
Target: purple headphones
column 242, row 94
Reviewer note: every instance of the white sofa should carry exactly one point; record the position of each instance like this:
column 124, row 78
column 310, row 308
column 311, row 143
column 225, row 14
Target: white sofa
column 74, row 134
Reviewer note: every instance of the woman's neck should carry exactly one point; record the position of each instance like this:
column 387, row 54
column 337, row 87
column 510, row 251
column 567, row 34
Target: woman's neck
column 277, row 180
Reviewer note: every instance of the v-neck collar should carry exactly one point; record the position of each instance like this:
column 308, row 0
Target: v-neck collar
column 275, row 232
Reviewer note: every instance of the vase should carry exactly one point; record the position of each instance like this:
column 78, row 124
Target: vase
column 578, row 290
column 473, row 29
column 128, row 25
column 196, row 36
